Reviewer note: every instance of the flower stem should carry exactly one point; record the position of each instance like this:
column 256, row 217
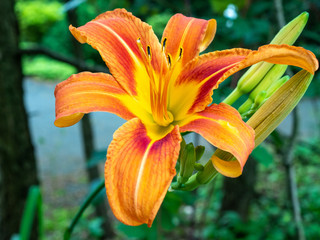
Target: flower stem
column 233, row 96
column 98, row 189
column 205, row 176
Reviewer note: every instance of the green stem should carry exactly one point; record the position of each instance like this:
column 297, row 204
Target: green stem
column 97, row 190
column 205, row 176
column 233, row 96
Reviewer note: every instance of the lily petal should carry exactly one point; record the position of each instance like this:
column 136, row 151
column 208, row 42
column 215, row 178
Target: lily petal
column 222, row 126
column 138, row 172
column 187, row 36
column 206, row 72
column 126, row 44
column 88, row 92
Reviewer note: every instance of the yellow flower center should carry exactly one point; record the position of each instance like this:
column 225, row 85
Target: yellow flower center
column 158, row 92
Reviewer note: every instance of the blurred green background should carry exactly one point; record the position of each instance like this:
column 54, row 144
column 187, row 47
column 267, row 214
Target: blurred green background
column 255, row 206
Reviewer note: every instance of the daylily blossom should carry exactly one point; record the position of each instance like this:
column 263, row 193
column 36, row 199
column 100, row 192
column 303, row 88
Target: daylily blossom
column 162, row 89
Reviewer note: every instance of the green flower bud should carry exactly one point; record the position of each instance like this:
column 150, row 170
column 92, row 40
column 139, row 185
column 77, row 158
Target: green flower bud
column 279, row 105
column 290, row 33
column 276, row 85
column 260, row 98
column 187, row 161
column 199, row 152
column 246, row 106
column 272, row 75
column 287, row 35
column 199, row 167
column 182, row 148
column 250, row 106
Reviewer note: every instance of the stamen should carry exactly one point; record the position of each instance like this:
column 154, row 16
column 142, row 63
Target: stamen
column 180, row 53
column 149, row 51
column 149, row 70
column 158, row 92
column 169, row 60
column 164, row 44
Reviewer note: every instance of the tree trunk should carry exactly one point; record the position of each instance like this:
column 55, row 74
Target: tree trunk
column 17, row 161
column 239, row 192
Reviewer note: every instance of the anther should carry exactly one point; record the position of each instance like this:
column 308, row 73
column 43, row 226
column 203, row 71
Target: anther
column 164, row 44
column 149, row 51
column 169, row 60
column 180, row 53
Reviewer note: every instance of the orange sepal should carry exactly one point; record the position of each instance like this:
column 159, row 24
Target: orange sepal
column 88, row 92
column 138, row 172
column 222, row 126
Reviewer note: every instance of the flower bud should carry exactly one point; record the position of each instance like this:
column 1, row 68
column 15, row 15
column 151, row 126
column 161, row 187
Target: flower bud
column 270, row 79
column 199, row 152
column 276, row 85
column 279, row 105
column 290, row 32
column 287, row 35
column 267, row 118
column 187, row 161
column 272, row 75
column 258, row 101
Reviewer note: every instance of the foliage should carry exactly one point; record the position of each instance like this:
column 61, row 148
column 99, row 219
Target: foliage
column 46, row 68
column 158, row 22
column 36, row 17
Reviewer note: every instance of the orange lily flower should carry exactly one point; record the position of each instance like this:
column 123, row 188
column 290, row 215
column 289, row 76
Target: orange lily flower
column 162, row 89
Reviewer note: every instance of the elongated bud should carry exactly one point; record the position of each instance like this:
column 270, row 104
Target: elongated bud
column 279, row 105
column 290, row 32
column 258, row 101
column 199, row 167
column 276, row 85
column 272, row 78
column 199, row 152
column 187, row 161
column 182, row 149
column 260, row 98
column 246, row 106
column 287, row 35
column 272, row 75
column 264, row 121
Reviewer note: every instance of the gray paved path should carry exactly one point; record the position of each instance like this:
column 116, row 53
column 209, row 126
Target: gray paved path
column 59, row 150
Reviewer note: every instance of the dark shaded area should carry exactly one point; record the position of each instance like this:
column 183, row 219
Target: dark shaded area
column 18, row 169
